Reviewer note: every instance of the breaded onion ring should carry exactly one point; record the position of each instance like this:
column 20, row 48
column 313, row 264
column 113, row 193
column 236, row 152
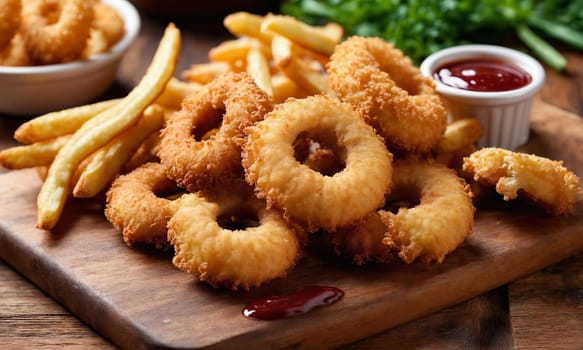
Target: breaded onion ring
column 136, row 204
column 314, row 199
column 109, row 22
column 244, row 256
column 389, row 91
column 56, row 31
column 541, row 181
column 442, row 219
column 233, row 102
column 363, row 241
column 9, row 21
column 15, row 53
column 106, row 30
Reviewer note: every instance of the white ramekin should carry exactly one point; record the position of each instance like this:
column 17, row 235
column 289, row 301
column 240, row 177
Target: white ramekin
column 505, row 115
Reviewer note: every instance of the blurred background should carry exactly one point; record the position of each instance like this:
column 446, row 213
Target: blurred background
column 418, row 27
column 203, row 9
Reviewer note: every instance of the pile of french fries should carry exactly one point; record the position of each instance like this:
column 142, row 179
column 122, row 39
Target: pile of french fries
column 85, row 147
column 284, row 56
column 79, row 151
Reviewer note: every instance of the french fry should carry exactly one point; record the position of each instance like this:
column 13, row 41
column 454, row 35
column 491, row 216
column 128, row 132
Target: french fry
column 459, row 134
column 310, row 37
column 107, row 162
column 102, row 128
column 175, row 91
column 204, row 73
column 42, row 172
column 332, row 30
column 282, row 50
column 237, row 49
column 284, row 87
column 258, row 69
column 144, row 154
column 29, row 156
column 297, row 69
column 67, row 121
column 246, row 24
column 55, row 124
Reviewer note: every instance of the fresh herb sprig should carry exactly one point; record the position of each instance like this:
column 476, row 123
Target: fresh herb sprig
column 421, row 27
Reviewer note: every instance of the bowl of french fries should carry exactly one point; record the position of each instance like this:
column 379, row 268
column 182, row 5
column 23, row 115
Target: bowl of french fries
column 35, row 89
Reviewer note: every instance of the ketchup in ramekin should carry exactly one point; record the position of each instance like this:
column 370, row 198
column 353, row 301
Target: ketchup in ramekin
column 494, row 84
column 482, row 74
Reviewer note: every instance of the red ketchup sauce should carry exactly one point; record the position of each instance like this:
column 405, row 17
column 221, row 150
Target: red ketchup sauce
column 294, row 303
column 479, row 74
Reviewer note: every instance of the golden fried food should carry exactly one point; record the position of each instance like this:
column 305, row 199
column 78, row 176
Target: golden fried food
column 56, row 31
column 459, row 134
column 440, row 215
column 284, row 88
column 246, row 24
column 107, row 162
column 10, row 17
column 235, row 51
column 230, row 104
column 36, row 154
column 304, row 72
column 541, row 181
column 204, row 73
column 228, row 238
column 258, row 68
column 15, row 54
column 107, row 21
column 233, row 168
column 101, row 129
column 300, row 33
column 39, row 32
column 136, row 204
column 313, row 199
column 362, row 242
column 458, row 141
column 390, row 93
column 59, row 123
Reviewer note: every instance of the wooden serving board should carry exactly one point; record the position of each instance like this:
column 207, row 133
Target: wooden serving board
column 137, row 299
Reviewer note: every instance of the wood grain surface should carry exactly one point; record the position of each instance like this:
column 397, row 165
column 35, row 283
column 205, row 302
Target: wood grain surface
column 84, row 265
column 541, row 310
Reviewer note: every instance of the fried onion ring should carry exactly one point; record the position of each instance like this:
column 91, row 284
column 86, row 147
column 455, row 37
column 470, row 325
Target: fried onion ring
column 362, row 242
column 15, row 53
column 9, row 21
column 307, row 196
column 244, row 256
column 56, row 31
column 232, row 101
column 442, row 219
column 106, row 30
column 108, row 22
column 136, row 204
column 389, row 92
column 541, row 181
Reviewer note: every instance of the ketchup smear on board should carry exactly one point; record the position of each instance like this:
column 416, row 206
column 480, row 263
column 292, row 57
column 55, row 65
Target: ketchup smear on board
column 294, row 303
column 488, row 75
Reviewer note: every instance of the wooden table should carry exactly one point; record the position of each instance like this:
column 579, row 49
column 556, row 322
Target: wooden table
column 542, row 310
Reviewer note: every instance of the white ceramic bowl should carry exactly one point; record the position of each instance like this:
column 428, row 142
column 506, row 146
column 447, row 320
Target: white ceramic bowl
column 34, row 90
column 505, row 115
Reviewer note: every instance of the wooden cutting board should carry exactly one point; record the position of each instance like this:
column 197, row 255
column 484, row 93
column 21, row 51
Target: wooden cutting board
column 137, row 299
